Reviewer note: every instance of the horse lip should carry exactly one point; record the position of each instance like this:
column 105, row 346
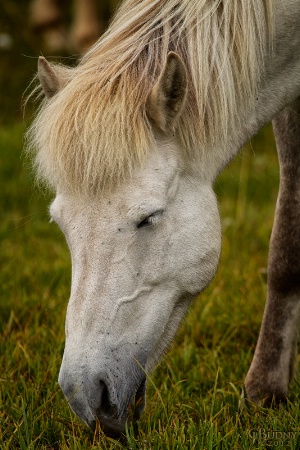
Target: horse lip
column 111, row 427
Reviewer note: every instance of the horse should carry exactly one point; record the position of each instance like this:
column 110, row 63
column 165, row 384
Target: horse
column 131, row 141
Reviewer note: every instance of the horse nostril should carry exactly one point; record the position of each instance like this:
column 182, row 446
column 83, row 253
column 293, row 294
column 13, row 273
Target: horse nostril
column 106, row 407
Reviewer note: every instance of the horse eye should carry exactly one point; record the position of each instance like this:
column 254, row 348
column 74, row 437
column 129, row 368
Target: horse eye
column 151, row 219
column 144, row 222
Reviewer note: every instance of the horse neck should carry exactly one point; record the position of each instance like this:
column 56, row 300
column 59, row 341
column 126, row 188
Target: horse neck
column 280, row 85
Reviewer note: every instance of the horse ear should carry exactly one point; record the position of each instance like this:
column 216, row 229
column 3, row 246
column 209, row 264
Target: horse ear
column 168, row 96
column 50, row 77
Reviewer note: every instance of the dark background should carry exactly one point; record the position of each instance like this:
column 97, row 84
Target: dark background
column 20, row 46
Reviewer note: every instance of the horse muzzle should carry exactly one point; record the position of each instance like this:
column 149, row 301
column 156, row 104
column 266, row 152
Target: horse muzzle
column 113, row 395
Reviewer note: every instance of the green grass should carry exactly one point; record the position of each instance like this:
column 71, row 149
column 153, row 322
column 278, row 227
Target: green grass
column 193, row 396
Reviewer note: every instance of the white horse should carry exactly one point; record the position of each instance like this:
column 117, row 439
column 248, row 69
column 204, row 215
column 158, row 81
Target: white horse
column 132, row 140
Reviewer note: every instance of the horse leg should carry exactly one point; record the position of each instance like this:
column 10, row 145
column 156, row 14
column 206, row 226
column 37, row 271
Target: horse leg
column 273, row 364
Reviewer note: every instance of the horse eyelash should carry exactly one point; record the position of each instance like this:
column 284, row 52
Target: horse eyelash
column 151, row 219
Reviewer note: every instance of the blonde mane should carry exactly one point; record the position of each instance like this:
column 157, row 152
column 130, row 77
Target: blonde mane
column 95, row 130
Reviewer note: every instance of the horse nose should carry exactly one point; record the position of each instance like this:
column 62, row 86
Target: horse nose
column 112, row 417
column 91, row 401
column 105, row 399
column 108, row 411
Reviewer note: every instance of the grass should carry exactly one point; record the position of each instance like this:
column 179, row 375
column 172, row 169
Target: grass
column 194, row 395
